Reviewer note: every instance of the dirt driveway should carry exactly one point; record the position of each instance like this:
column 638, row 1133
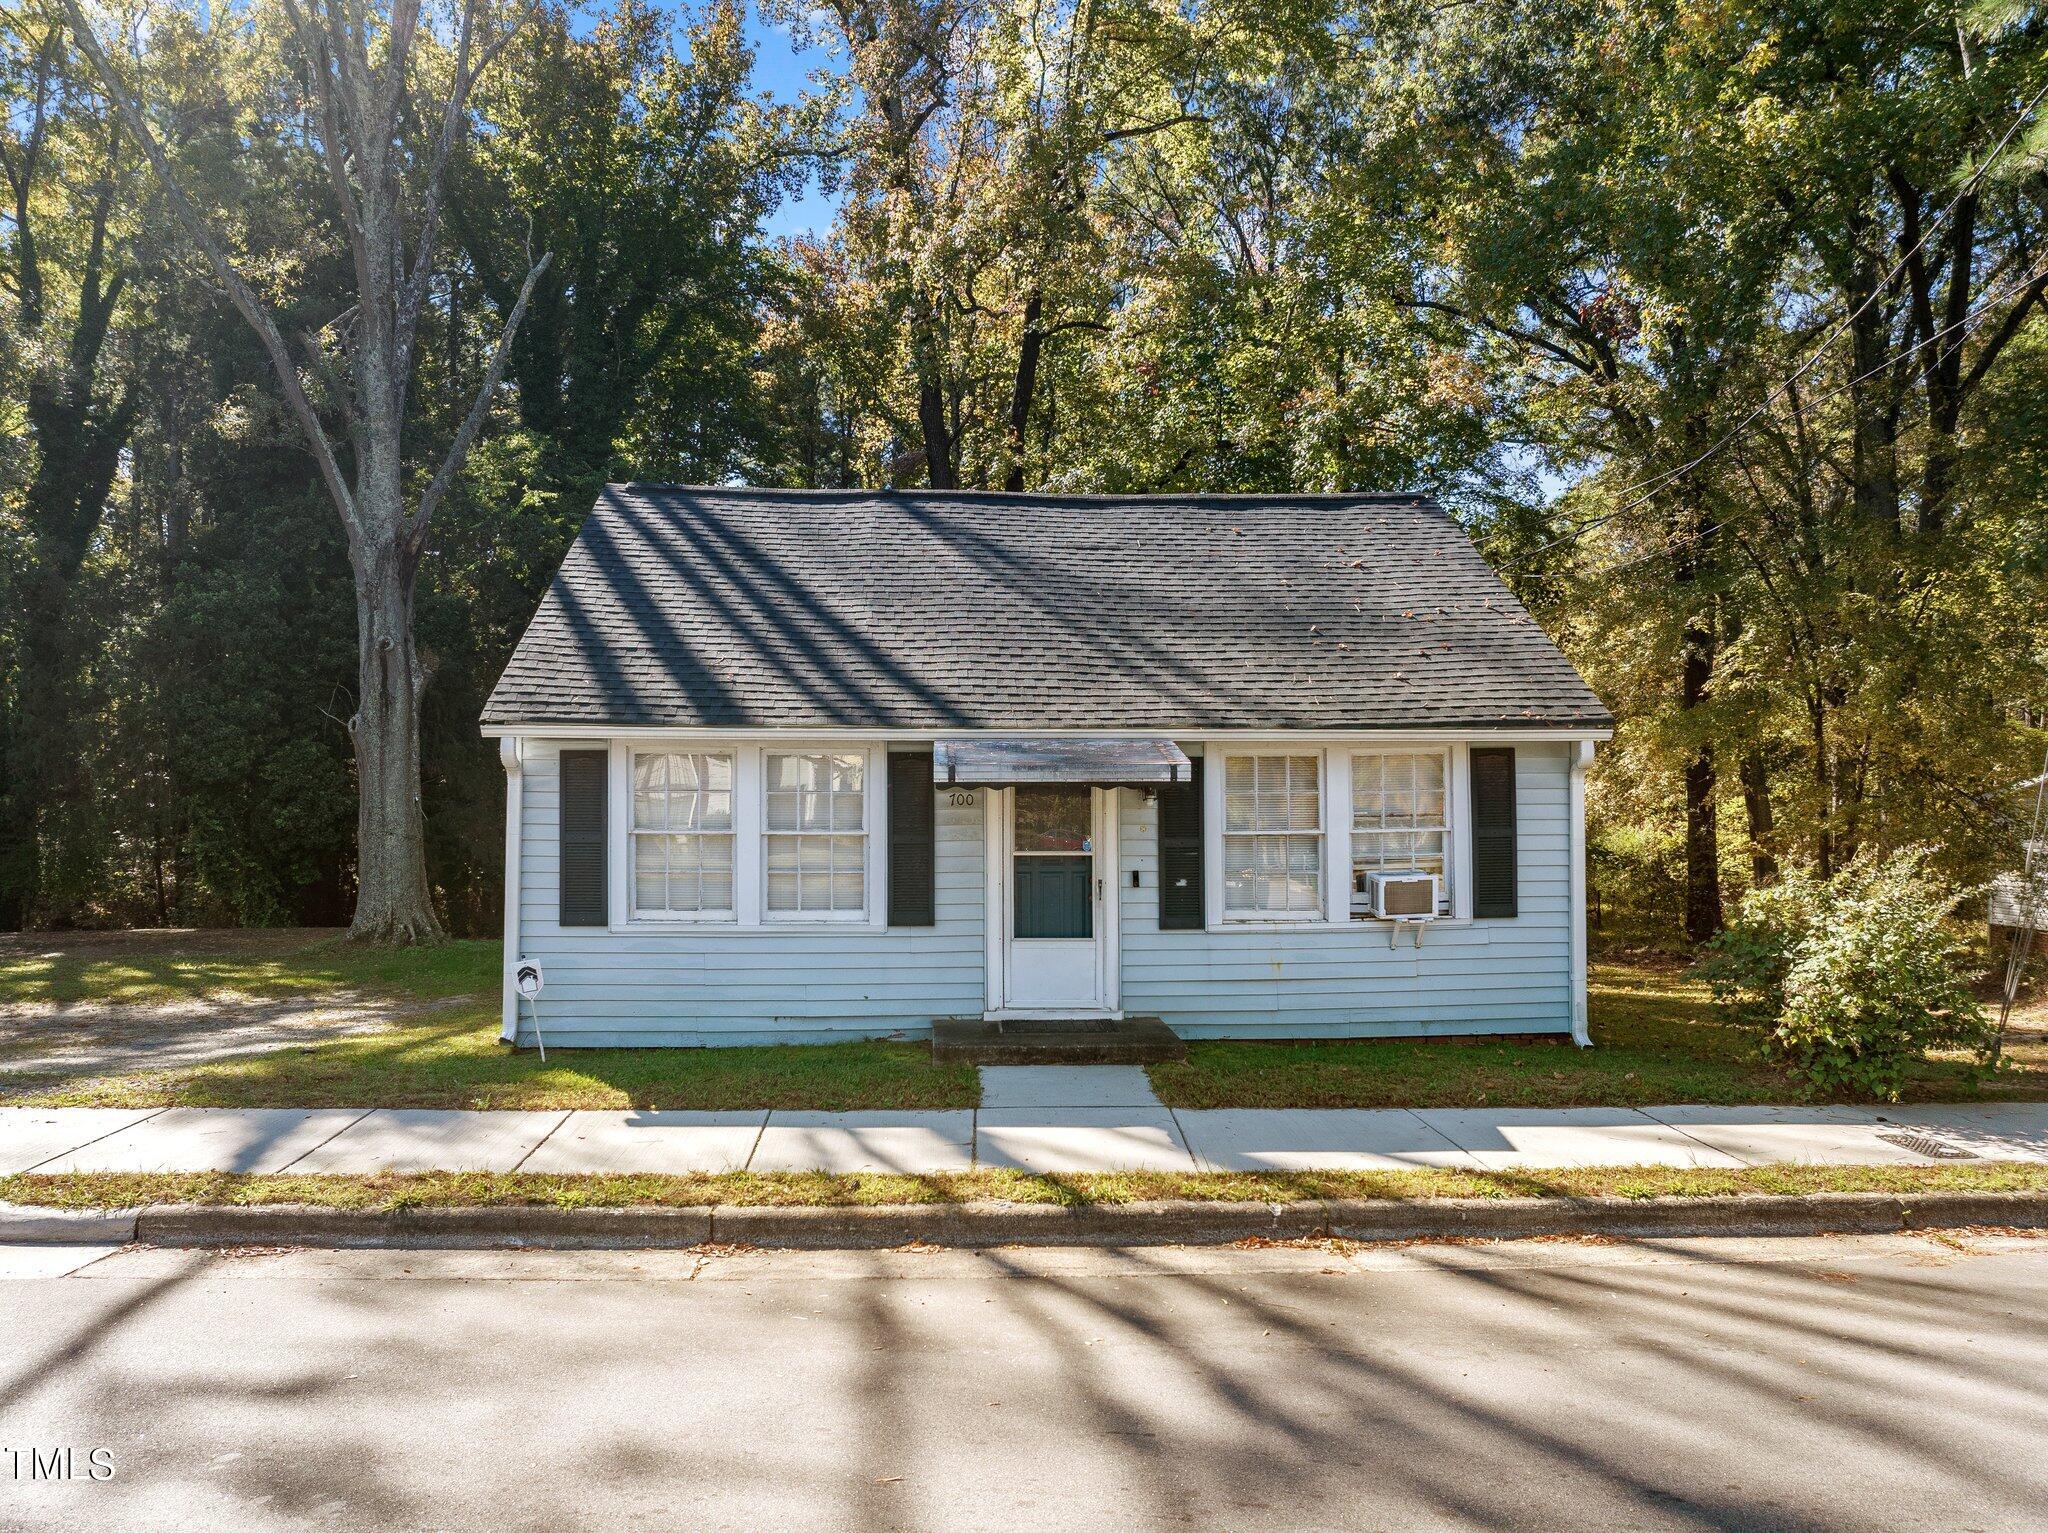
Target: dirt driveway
column 155, row 1027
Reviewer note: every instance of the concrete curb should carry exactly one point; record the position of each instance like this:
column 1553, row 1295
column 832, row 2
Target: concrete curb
column 297, row 1224
column 65, row 1226
column 1824, row 1213
column 1011, row 1224
column 972, row 1225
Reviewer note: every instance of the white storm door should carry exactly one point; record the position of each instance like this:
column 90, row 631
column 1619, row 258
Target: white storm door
column 1053, row 927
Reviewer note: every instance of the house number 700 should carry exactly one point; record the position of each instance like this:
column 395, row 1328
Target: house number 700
column 961, row 800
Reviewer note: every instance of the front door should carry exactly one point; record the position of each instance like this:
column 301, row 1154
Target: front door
column 1052, row 954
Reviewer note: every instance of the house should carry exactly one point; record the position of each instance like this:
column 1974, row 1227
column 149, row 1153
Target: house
column 794, row 766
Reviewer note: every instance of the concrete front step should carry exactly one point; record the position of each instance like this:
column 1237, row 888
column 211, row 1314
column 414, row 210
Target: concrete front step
column 1054, row 1041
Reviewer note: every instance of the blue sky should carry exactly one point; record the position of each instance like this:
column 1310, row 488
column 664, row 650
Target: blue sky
column 782, row 70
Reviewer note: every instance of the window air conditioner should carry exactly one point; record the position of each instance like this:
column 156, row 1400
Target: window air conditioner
column 1408, row 896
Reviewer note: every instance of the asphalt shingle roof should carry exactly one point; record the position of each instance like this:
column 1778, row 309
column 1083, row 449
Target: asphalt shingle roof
column 782, row 609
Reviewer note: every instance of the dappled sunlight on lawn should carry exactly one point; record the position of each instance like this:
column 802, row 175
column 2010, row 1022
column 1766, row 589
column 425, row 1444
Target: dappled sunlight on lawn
column 1657, row 1035
column 157, row 968
column 458, row 1062
column 1658, row 1039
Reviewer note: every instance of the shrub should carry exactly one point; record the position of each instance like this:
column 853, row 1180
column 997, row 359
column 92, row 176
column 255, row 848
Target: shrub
column 1855, row 979
column 1748, row 963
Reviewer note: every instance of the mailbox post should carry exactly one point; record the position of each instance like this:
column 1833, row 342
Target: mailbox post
column 529, row 980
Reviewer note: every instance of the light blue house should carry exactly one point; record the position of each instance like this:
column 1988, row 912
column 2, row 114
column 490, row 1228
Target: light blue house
column 801, row 766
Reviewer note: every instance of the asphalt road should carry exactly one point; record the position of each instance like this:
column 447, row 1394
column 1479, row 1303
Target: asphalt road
column 1895, row 1382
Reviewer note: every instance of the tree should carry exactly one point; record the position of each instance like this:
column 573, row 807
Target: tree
column 64, row 275
column 645, row 171
column 386, row 151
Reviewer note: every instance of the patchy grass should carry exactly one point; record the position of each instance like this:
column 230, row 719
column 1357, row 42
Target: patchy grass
column 741, row 1189
column 449, row 1057
column 1657, row 1039
column 147, row 968
column 458, row 1062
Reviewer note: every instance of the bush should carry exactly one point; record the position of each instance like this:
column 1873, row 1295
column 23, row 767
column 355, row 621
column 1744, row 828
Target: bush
column 1747, row 965
column 1854, row 979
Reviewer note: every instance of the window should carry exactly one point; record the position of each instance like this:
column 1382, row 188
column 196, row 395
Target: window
column 1272, row 836
column 815, row 831
column 1399, row 820
column 682, row 833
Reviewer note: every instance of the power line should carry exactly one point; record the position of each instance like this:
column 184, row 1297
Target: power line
column 1967, row 323
column 1648, row 487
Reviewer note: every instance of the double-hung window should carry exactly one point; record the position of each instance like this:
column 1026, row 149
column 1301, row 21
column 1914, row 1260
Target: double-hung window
column 682, row 834
column 1400, row 820
column 1272, row 837
column 814, row 828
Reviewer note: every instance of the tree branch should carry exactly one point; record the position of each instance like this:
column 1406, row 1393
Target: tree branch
column 239, row 292
column 415, row 529
column 414, row 290
column 1143, row 130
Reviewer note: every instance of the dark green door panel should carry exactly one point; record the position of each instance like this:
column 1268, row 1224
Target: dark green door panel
column 1053, row 897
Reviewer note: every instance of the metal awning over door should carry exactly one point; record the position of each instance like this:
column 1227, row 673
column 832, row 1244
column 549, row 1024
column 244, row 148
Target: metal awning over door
column 997, row 761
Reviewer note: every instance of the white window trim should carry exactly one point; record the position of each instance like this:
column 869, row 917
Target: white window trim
column 763, row 836
column 622, row 787
column 749, row 914
column 1336, row 912
column 1213, row 787
column 1454, row 881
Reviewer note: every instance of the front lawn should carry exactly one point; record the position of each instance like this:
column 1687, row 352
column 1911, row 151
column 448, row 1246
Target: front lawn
column 459, row 1062
column 1657, row 1040
column 146, row 968
column 438, row 1045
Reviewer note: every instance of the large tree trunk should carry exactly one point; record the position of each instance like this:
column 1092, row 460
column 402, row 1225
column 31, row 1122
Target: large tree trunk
column 1022, row 391
column 393, row 900
column 938, row 436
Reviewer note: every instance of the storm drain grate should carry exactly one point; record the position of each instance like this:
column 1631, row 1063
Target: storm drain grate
column 1934, row 1149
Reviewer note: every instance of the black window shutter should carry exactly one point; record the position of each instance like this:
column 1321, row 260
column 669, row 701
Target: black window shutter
column 1493, row 831
column 1182, row 897
column 913, row 857
column 586, row 900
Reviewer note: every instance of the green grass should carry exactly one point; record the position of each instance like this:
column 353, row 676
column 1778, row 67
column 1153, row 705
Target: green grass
column 741, row 1189
column 449, row 1058
column 459, row 1062
column 1658, row 1039
column 148, row 968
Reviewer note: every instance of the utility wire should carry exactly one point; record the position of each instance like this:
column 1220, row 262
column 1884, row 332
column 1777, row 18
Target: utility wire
column 1648, row 487
column 1967, row 323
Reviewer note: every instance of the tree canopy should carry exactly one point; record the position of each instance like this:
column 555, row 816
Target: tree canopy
column 1720, row 328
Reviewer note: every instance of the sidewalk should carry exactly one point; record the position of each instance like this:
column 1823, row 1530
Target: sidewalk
column 1047, row 1119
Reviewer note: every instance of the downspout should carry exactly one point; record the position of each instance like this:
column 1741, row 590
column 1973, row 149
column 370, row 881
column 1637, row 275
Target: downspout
column 515, row 781
column 1581, row 758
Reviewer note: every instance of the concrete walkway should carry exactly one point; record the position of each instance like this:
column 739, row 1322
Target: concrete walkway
column 1041, row 1118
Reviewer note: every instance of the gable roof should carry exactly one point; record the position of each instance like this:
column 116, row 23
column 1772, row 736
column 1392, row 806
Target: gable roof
column 780, row 609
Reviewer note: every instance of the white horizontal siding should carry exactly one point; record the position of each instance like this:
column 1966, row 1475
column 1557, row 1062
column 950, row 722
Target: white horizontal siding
column 721, row 984
column 1348, row 982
